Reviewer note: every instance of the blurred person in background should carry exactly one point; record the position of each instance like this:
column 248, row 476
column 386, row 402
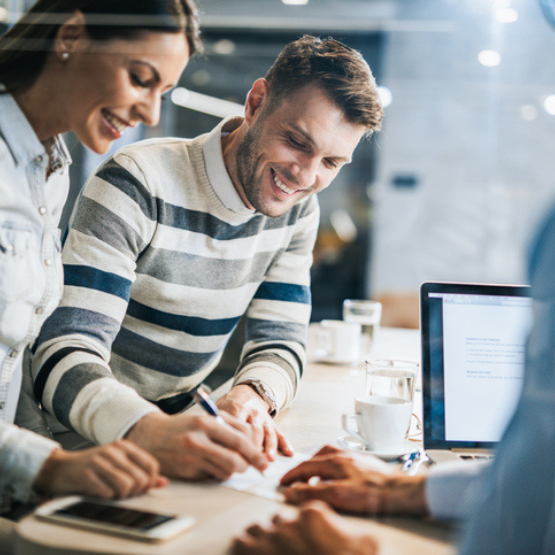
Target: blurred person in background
column 94, row 67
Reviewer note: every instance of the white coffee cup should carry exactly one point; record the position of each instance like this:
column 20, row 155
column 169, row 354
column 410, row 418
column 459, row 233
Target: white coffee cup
column 338, row 342
column 379, row 422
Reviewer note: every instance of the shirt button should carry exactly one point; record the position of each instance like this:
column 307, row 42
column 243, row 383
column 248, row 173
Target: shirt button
column 42, row 210
column 39, row 310
column 38, row 159
column 13, row 353
column 48, row 262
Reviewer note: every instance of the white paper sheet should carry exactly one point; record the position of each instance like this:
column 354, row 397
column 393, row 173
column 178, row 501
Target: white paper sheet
column 267, row 485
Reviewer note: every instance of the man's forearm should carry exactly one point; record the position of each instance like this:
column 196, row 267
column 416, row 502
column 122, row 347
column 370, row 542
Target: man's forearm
column 278, row 368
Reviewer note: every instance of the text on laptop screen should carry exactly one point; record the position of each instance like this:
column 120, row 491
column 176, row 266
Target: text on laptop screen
column 479, row 364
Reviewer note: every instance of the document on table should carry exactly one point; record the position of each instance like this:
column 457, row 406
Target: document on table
column 251, row 481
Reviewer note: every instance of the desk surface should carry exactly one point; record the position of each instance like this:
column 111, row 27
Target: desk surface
column 314, row 419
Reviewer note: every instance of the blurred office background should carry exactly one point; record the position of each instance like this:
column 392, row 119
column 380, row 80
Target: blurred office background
column 456, row 181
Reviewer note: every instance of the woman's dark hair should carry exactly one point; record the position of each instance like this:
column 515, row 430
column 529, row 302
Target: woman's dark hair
column 25, row 47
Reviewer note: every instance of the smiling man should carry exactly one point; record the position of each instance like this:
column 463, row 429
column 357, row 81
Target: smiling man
column 174, row 240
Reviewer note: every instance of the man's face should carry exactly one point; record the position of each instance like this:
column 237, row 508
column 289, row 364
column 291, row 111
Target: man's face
column 294, row 150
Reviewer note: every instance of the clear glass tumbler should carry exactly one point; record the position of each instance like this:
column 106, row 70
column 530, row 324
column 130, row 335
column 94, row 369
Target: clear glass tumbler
column 368, row 314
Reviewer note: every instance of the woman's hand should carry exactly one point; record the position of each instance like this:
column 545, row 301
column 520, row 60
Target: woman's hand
column 113, row 471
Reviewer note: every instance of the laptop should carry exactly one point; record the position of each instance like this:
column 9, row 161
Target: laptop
column 473, row 346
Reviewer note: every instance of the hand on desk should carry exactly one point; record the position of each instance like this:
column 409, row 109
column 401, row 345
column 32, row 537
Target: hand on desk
column 317, row 529
column 350, row 485
column 193, row 447
column 120, row 469
column 244, row 403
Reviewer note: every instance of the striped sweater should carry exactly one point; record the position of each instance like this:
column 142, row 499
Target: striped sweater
column 161, row 261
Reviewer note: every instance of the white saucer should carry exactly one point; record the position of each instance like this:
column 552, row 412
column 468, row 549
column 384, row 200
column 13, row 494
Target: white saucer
column 321, row 356
column 353, row 444
column 333, row 361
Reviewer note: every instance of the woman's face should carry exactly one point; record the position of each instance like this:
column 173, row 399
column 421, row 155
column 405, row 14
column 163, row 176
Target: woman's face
column 116, row 84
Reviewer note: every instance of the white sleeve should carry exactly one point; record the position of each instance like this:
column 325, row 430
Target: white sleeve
column 453, row 489
column 22, row 454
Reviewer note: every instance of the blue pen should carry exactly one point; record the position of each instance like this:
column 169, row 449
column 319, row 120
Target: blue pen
column 207, row 404
column 410, row 460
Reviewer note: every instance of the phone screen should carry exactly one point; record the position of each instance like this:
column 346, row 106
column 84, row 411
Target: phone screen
column 120, row 516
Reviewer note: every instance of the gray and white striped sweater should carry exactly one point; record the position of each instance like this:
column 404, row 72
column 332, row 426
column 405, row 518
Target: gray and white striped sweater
column 158, row 272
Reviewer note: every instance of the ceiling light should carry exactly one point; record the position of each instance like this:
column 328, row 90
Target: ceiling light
column 295, row 2
column 549, row 104
column 201, row 78
column 224, row 46
column 385, row 96
column 506, row 15
column 206, row 104
column 343, row 225
column 4, row 14
column 528, row 112
column 489, row 58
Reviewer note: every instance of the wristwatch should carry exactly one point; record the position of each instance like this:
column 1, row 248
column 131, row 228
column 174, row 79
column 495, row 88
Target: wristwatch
column 265, row 393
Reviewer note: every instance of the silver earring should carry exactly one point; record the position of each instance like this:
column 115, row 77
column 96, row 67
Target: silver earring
column 65, row 56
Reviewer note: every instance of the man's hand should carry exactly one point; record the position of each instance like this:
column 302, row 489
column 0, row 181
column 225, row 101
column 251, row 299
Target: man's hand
column 194, row 446
column 120, row 469
column 317, row 529
column 349, row 485
column 244, row 403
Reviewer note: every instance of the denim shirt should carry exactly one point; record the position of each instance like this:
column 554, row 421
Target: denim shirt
column 33, row 190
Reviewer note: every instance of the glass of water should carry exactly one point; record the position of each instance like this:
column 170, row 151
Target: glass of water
column 368, row 314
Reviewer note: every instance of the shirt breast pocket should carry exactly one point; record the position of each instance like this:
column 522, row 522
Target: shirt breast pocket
column 15, row 261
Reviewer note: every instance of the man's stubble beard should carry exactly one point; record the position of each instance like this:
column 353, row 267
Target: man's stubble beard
column 247, row 157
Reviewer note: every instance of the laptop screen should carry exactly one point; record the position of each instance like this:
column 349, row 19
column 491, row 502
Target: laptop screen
column 473, row 347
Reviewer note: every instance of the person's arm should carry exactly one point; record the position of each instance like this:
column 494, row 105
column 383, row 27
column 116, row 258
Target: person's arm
column 447, row 492
column 276, row 325
column 455, row 489
column 31, row 464
column 114, row 219
column 22, row 454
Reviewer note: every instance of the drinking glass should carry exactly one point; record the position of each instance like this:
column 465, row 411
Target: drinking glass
column 368, row 314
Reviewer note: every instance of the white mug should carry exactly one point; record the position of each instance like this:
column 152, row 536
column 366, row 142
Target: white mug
column 379, row 422
column 338, row 342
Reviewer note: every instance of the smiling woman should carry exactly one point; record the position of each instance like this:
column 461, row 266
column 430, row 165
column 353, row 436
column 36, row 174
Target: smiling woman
column 94, row 67
column 104, row 63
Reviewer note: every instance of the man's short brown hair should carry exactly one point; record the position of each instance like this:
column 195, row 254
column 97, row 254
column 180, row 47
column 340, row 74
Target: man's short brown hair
column 340, row 70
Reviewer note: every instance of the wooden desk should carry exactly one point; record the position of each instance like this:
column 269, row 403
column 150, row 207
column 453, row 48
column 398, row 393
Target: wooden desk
column 314, row 420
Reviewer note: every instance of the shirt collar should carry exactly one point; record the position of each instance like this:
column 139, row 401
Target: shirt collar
column 58, row 154
column 22, row 139
column 216, row 170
